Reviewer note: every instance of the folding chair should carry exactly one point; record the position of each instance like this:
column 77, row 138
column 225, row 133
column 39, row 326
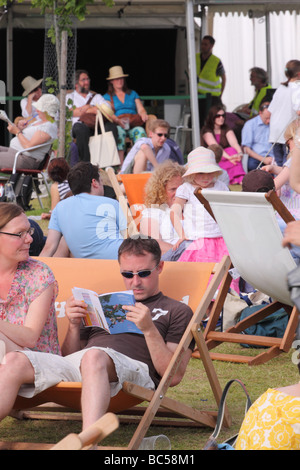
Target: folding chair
column 91, row 436
column 182, row 281
column 34, row 173
column 251, row 232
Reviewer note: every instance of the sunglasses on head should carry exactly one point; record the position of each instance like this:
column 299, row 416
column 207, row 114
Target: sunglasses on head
column 143, row 273
column 220, row 115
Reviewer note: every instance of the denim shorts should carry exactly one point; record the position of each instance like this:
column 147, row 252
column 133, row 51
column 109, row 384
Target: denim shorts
column 50, row 369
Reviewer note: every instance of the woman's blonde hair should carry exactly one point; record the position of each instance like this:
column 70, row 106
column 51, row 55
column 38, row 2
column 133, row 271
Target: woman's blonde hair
column 155, row 188
column 9, row 211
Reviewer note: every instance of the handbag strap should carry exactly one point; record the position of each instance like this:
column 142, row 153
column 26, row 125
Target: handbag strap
column 99, row 119
column 221, row 410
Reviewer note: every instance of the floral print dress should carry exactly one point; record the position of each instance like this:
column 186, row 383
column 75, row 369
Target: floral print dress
column 272, row 423
column 32, row 277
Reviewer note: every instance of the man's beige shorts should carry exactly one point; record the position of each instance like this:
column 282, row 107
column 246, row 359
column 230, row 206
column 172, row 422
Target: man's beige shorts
column 50, row 369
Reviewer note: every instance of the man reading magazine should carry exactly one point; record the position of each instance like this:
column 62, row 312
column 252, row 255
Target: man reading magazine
column 103, row 361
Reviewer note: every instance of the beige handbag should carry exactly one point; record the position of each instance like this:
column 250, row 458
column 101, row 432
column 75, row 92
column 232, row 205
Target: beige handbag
column 103, row 149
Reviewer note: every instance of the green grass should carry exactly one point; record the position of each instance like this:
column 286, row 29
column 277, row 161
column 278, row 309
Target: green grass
column 193, row 390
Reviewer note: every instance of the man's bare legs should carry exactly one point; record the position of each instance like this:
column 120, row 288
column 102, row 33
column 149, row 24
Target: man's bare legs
column 15, row 370
column 97, row 371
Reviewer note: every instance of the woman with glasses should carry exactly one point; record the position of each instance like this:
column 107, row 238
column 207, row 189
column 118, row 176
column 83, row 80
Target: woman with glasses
column 27, row 289
column 216, row 131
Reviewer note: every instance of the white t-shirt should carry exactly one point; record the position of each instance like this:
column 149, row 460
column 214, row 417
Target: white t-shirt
column 197, row 222
column 47, row 127
column 166, row 230
column 79, row 100
column 283, row 108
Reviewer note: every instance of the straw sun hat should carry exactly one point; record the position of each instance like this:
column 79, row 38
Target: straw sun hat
column 202, row 160
column 116, row 72
column 29, row 84
column 106, row 111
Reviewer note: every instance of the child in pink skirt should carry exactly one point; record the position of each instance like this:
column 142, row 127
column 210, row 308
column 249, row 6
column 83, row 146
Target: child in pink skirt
column 189, row 217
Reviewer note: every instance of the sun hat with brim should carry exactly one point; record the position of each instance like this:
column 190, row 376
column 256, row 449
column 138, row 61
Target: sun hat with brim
column 116, row 72
column 106, row 111
column 29, row 84
column 48, row 104
column 202, row 160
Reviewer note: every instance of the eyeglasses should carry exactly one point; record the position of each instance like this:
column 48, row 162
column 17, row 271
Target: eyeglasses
column 143, row 273
column 161, row 135
column 220, row 115
column 264, row 106
column 21, row 235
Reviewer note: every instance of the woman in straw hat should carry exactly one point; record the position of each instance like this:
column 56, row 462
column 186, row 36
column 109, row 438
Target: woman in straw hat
column 189, row 217
column 32, row 93
column 125, row 102
column 43, row 131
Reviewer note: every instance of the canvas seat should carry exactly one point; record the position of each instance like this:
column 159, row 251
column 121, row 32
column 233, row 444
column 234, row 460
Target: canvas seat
column 251, row 232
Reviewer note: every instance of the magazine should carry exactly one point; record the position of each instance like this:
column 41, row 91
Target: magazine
column 4, row 117
column 105, row 310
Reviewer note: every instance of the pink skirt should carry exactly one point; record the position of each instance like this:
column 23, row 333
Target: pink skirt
column 208, row 250
column 235, row 171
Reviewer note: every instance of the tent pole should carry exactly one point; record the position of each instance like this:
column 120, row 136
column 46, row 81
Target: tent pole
column 192, row 73
column 9, row 60
column 268, row 46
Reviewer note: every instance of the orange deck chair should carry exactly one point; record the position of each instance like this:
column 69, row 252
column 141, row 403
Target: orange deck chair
column 182, row 281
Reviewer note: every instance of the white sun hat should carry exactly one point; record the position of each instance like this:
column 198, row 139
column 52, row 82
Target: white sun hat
column 202, row 160
column 48, row 104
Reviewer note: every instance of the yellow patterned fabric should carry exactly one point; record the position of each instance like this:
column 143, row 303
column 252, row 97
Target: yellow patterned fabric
column 272, row 423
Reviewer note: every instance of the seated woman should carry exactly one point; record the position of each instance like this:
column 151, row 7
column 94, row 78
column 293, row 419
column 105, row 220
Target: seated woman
column 27, row 289
column 58, row 170
column 39, row 132
column 216, row 131
column 159, row 196
column 125, row 101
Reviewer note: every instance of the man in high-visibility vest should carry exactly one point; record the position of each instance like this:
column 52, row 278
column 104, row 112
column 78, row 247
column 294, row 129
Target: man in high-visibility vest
column 259, row 79
column 210, row 76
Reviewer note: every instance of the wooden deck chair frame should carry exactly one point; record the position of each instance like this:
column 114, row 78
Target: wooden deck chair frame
column 90, row 437
column 197, row 276
column 131, row 225
column 218, row 204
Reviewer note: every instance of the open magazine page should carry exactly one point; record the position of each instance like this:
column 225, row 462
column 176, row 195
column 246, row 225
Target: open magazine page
column 4, row 117
column 95, row 315
column 106, row 310
column 115, row 315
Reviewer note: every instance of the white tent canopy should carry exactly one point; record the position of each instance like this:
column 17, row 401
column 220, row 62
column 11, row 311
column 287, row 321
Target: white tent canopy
column 256, row 33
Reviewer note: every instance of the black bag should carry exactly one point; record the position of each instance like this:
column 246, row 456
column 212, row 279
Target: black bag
column 22, row 185
column 293, row 281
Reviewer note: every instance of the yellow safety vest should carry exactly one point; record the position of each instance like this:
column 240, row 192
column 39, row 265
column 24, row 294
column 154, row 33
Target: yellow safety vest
column 254, row 105
column 208, row 80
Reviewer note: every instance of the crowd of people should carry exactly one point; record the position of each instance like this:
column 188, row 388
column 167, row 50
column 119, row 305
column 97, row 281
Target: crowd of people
column 86, row 221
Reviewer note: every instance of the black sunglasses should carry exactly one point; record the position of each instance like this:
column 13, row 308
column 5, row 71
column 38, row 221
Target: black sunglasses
column 162, row 135
column 143, row 273
column 220, row 115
